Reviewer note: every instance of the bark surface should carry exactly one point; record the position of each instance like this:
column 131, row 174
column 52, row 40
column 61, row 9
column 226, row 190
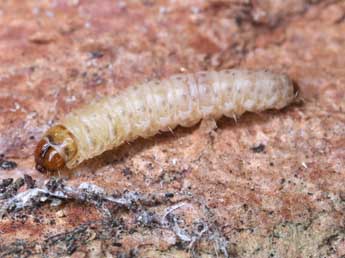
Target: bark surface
column 268, row 185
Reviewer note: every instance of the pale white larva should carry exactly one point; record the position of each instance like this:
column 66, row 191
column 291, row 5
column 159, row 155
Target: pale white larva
column 144, row 110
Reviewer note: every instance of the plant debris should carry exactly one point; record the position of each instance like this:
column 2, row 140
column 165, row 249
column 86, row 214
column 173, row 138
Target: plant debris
column 7, row 164
column 259, row 148
column 9, row 187
column 29, row 181
column 56, row 192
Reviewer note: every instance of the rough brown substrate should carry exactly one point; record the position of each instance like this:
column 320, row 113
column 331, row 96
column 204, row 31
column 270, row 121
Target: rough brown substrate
column 270, row 185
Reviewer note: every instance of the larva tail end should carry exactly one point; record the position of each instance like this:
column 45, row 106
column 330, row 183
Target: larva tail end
column 55, row 149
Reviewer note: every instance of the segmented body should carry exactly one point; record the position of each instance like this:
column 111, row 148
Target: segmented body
column 185, row 99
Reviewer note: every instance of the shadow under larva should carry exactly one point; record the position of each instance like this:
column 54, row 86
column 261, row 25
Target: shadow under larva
column 144, row 110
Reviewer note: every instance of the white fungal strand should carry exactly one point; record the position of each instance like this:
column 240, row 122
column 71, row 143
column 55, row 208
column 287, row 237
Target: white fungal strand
column 146, row 109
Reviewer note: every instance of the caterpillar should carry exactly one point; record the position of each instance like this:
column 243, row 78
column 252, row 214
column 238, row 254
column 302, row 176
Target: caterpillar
column 144, row 110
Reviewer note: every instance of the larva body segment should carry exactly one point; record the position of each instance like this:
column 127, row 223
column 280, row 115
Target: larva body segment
column 185, row 99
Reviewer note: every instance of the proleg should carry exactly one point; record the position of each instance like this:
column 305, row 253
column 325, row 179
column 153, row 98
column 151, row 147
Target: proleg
column 144, row 110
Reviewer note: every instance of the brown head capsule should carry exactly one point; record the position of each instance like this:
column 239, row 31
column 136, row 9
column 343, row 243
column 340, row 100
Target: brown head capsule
column 55, row 149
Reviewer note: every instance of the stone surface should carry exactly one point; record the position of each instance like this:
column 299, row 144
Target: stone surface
column 270, row 185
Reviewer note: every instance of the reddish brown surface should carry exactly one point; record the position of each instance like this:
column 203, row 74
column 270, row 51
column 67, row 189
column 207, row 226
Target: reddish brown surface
column 286, row 201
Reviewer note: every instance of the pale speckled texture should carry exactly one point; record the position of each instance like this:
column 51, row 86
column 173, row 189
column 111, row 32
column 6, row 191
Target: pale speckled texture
column 283, row 198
